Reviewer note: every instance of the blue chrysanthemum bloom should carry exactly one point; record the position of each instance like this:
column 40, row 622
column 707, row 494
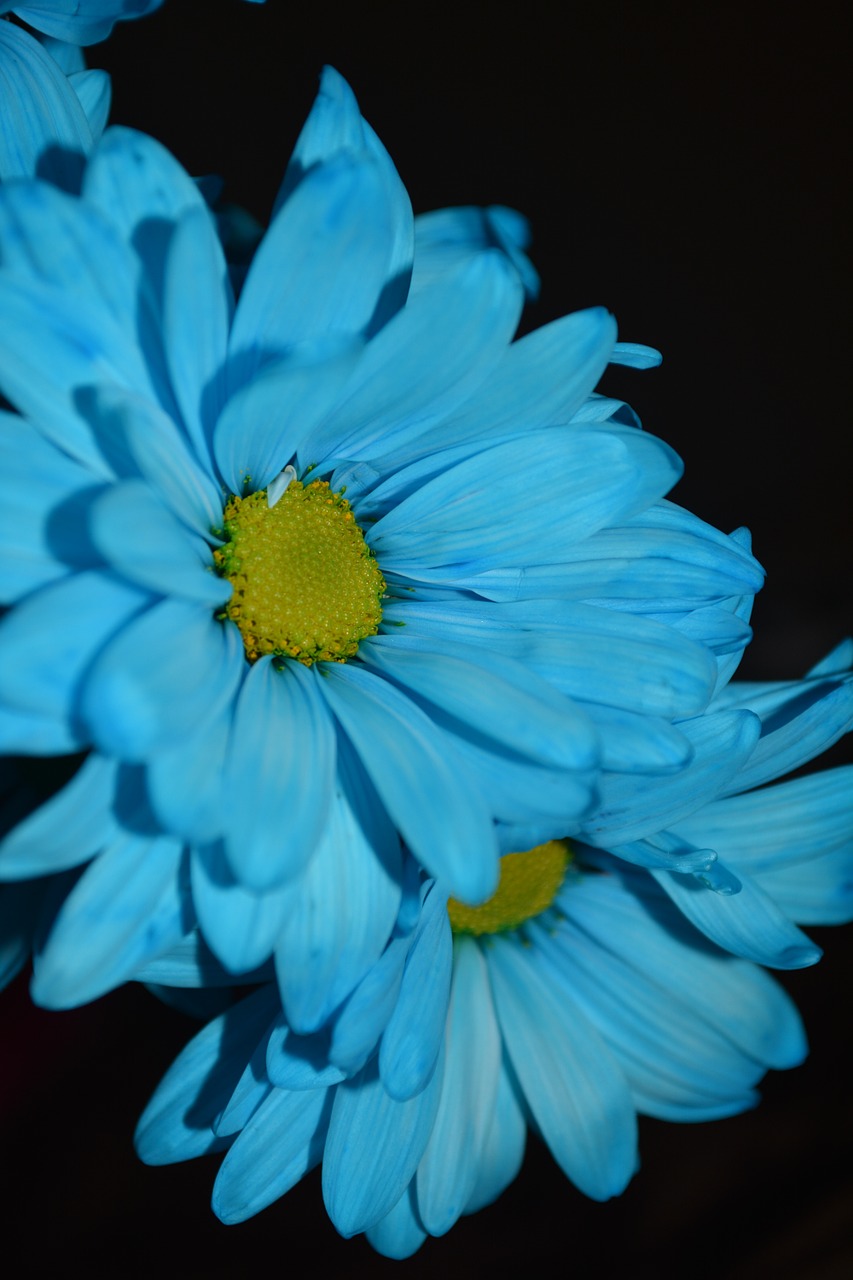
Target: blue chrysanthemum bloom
column 331, row 565
column 576, row 997
column 79, row 22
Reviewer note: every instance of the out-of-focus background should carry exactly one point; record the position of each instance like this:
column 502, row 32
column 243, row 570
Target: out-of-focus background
column 683, row 165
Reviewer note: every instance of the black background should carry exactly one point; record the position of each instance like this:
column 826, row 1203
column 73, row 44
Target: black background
column 684, row 166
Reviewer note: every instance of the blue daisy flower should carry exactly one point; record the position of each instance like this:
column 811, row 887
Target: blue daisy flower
column 285, row 567
column 78, row 22
column 581, row 994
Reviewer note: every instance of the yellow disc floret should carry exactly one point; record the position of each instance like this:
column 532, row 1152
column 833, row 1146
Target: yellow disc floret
column 306, row 585
column 528, row 885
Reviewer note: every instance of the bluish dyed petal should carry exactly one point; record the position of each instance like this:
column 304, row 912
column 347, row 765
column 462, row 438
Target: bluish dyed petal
column 400, row 1233
column 190, row 964
column 161, row 678
column 178, row 1122
column 445, row 238
column 263, row 422
column 197, row 309
column 299, row 1062
column 427, row 794
column 480, row 512
column 95, row 91
column 240, row 927
column 253, row 1089
column 279, row 775
column 373, row 1148
column 574, row 1088
column 20, row 905
column 356, row 1029
column 44, row 494
column 321, row 266
column 48, row 641
column 412, row 1039
column 748, row 924
column 281, row 1142
column 341, row 910
column 722, row 631
column 540, row 381
column 80, row 21
column 634, row 742
column 741, row 606
column 630, row 809
column 819, row 891
column 631, row 663
column 141, row 539
column 795, row 736
column 40, row 111
column 30, row 733
column 838, row 661
column 778, row 826
column 335, row 127
column 447, row 1174
column 428, row 359
column 498, row 697
column 127, row 907
column 635, row 355
column 503, row 1150
column 67, row 829
column 185, row 780
column 151, row 445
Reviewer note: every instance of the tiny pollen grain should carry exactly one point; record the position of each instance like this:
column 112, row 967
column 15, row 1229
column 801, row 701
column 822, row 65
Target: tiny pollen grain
column 306, row 585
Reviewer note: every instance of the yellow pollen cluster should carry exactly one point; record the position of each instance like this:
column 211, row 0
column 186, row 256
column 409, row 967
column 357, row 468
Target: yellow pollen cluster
column 306, row 586
column 528, row 885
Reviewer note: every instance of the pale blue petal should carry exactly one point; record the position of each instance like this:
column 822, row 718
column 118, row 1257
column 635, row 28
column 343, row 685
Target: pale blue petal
column 503, row 1149
column 819, row 891
column 574, row 1088
column 399, row 1234
column 281, row 1142
column 128, row 906
column 635, row 355
column 94, row 89
column 422, row 785
column 30, row 733
column 48, row 641
column 197, row 308
column 41, row 112
column 630, row 809
column 428, row 359
column 69, row 828
column 161, row 678
column 299, row 1062
column 447, row 1174
column 190, row 964
column 634, row 742
column 802, row 728
column 185, row 780
column 321, row 266
column 356, row 1029
column 141, row 538
column 81, row 21
column 279, row 775
column 412, row 1040
column 447, row 237
column 178, row 1122
column 342, row 909
column 373, row 1148
column 240, row 927
column 748, row 924
column 263, row 422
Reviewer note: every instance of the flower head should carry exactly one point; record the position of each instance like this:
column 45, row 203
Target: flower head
column 580, row 995
column 327, row 566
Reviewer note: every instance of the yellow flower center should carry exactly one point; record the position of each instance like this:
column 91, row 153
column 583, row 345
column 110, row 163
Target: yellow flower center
column 528, row 885
column 306, row 586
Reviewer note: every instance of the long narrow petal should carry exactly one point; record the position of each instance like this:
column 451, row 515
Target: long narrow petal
column 67, row 829
column 41, row 111
column 240, row 927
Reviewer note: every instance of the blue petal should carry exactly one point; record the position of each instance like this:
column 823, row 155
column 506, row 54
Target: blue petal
column 127, row 907
column 30, row 733
column 240, row 927
column 279, row 775
column 69, row 828
column 400, row 1233
column 48, row 641
column 819, row 891
column 447, row 237
column 427, row 795
column 356, row 1030
column 141, row 538
column 281, row 1142
column 448, row 1171
column 503, row 1150
column 575, row 1090
column 178, row 1122
column 41, row 112
column 412, row 1040
column 801, row 728
column 185, row 780
column 299, row 1062
column 95, row 91
column 162, row 677
column 635, row 355
column 82, row 21
column 373, row 1148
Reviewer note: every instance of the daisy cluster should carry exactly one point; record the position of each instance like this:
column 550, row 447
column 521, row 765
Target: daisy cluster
column 399, row 697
